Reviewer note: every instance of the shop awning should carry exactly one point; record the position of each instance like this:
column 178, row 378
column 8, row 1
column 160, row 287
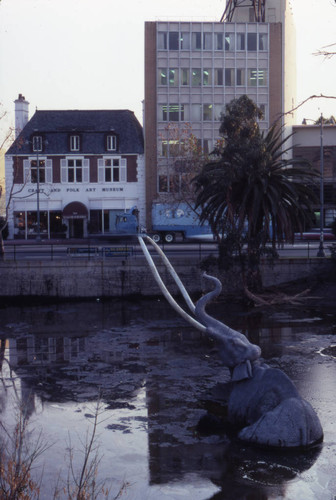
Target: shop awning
column 75, row 209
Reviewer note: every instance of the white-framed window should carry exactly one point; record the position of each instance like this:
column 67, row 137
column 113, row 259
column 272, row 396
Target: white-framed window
column 111, row 143
column 37, row 143
column 112, row 169
column 75, row 170
column 37, row 170
column 74, row 142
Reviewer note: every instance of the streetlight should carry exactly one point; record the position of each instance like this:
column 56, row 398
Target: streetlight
column 320, row 252
column 38, row 237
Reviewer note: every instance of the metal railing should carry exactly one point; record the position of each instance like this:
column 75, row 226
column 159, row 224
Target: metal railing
column 89, row 250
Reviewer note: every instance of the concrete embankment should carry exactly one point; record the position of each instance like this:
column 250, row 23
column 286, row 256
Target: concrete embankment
column 81, row 278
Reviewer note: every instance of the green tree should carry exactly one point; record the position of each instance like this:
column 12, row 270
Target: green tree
column 253, row 191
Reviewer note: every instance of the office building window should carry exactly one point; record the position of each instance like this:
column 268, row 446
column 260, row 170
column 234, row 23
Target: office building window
column 256, row 77
column 185, row 80
column 207, row 112
column 173, row 77
column 219, row 76
column 196, row 41
column 229, row 77
column 219, row 45
column 196, row 112
column 207, row 80
column 252, row 41
column 240, row 77
column 173, row 112
column 218, row 110
column 162, row 76
column 229, row 41
column 207, row 41
column 263, row 41
column 196, row 77
column 171, row 148
column 240, row 41
column 185, row 41
column 37, row 143
column 173, row 40
column 162, row 40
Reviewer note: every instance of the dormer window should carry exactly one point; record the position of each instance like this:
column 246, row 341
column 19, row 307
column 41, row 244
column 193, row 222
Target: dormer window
column 37, row 143
column 74, row 143
column 111, row 143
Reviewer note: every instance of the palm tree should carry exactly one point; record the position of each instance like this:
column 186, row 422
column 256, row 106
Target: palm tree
column 253, row 188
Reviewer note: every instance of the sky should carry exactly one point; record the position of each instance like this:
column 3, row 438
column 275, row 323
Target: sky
column 85, row 54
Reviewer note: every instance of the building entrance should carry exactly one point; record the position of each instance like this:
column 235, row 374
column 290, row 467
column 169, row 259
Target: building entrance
column 76, row 228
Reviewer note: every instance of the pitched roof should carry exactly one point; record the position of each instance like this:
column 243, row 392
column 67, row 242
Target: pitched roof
column 92, row 126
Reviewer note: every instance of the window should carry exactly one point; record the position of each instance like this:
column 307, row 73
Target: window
column 112, row 169
column 219, row 41
column 196, row 112
column 75, row 170
column 111, row 143
column 33, row 174
column 229, row 77
column 196, row 41
column 172, row 112
column 37, row 143
column 207, row 80
column 185, row 76
column 252, row 41
column 240, row 41
column 229, row 41
column 74, row 143
column 162, row 41
column 185, row 41
column 240, row 77
column 263, row 41
column 173, row 40
column 207, row 112
column 173, row 77
column 163, row 76
column 256, row 77
column 37, row 174
column 196, row 77
column 171, row 148
column 218, row 76
column 163, row 184
column 207, row 41
column 218, row 110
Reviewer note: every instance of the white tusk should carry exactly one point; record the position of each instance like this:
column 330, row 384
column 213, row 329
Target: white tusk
column 163, row 288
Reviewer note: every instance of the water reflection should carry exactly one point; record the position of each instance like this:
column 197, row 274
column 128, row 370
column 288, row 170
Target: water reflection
column 153, row 372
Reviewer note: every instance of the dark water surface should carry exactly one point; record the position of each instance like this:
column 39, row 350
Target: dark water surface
column 154, row 375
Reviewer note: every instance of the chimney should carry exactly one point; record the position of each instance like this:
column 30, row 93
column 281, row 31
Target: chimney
column 21, row 114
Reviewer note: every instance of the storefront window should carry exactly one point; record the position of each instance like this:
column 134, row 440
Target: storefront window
column 32, row 223
column 19, row 224
column 56, row 223
column 95, row 224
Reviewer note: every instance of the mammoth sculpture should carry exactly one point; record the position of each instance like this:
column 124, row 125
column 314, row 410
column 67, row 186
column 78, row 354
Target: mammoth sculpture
column 263, row 404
